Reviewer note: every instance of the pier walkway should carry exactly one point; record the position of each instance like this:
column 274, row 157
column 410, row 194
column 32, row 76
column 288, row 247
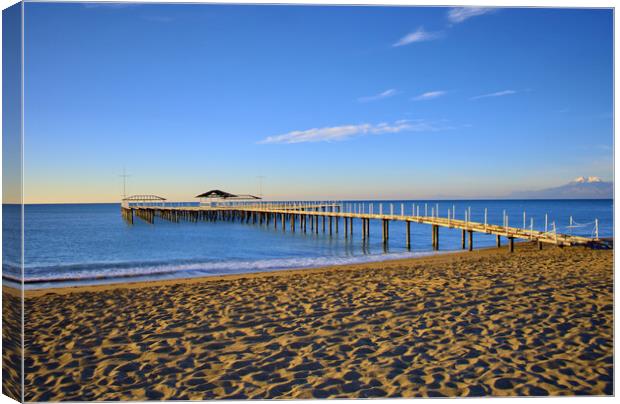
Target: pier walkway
column 326, row 217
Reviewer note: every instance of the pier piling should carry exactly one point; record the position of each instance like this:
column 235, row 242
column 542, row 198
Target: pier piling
column 386, row 230
column 408, row 236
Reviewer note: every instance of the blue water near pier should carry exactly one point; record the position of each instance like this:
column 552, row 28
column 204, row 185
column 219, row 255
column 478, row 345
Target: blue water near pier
column 90, row 243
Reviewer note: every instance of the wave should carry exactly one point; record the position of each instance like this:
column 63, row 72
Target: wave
column 114, row 272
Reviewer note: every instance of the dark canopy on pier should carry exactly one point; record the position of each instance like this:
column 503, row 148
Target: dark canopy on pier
column 216, row 193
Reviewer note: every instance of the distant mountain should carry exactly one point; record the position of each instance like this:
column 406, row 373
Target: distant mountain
column 579, row 188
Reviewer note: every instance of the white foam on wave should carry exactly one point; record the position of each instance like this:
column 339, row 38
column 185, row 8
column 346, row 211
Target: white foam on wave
column 60, row 277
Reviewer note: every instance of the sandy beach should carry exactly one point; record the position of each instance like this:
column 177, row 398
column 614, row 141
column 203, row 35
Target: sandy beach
column 466, row 324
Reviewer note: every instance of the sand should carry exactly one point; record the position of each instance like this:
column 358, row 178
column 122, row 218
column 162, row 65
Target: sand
column 11, row 343
column 471, row 324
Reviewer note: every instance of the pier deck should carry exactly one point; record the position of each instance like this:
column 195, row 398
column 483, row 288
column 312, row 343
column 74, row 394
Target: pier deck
column 301, row 215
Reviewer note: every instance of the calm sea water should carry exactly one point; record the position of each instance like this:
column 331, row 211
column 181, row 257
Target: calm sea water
column 90, row 243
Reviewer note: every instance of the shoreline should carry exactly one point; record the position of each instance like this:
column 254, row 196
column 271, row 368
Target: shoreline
column 432, row 257
column 105, row 280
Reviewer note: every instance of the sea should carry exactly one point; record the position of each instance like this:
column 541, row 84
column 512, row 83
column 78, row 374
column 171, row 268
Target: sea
column 87, row 244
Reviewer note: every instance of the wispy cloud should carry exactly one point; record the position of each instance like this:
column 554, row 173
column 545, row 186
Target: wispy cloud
column 420, row 35
column 455, row 15
column 429, row 95
column 460, row 14
column 496, row 94
column 603, row 147
column 337, row 133
column 385, row 94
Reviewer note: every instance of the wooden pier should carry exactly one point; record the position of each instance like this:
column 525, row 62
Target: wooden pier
column 325, row 217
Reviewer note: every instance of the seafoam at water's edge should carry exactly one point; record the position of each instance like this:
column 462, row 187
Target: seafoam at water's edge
column 81, row 275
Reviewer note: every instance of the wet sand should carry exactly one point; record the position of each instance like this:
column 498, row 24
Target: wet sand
column 468, row 324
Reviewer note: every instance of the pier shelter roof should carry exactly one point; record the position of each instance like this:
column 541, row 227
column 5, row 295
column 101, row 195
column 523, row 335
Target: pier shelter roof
column 217, row 194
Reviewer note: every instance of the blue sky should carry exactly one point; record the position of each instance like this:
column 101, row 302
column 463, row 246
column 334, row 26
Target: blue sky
column 324, row 102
